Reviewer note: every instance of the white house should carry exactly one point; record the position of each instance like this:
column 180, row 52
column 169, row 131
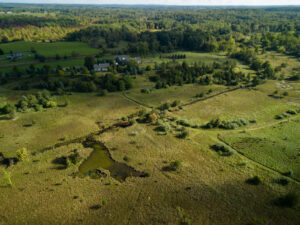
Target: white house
column 101, row 67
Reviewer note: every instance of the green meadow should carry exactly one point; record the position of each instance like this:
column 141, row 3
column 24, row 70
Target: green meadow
column 204, row 188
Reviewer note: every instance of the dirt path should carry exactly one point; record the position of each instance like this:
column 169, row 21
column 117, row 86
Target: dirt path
column 136, row 102
column 212, row 96
column 182, row 105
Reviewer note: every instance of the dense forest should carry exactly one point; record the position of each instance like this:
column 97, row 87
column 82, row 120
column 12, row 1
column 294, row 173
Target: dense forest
column 188, row 28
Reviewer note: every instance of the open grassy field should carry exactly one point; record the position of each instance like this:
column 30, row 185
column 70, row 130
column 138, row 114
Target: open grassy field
column 243, row 103
column 48, row 49
column 206, row 188
column 157, row 97
column 276, row 146
column 276, row 59
column 53, row 65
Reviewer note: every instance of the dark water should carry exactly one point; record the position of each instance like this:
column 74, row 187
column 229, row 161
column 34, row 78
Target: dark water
column 101, row 158
column 273, row 96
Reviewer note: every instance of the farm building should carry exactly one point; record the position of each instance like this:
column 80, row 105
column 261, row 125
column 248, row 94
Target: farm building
column 101, row 67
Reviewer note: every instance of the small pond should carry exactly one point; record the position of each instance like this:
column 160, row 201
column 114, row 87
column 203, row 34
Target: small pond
column 101, row 158
column 273, row 96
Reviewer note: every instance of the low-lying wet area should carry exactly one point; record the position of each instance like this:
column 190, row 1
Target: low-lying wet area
column 100, row 158
column 275, row 97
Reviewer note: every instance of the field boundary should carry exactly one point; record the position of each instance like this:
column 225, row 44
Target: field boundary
column 212, row 96
column 136, row 102
column 256, row 162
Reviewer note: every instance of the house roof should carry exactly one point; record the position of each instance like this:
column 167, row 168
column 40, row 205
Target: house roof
column 101, row 65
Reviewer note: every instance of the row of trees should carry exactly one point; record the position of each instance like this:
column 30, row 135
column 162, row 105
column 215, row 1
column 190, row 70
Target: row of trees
column 205, row 74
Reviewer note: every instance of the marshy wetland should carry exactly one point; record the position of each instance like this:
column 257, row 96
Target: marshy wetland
column 99, row 159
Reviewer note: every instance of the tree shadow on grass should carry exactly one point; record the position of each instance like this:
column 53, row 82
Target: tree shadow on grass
column 5, row 118
column 60, row 162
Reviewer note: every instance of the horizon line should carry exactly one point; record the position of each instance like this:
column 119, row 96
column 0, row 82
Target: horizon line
column 150, row 4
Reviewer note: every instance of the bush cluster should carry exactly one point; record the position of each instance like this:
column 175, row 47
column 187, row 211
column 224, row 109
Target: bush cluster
column 228, row 124
column 222, row 149
column 286, row 114
column 37, row 102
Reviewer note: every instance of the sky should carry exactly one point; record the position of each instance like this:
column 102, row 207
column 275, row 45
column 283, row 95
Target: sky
column 164, row 2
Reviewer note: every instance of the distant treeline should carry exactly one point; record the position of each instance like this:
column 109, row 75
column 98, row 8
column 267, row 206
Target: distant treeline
column 9, row 21
column 174, row 56
column 185, row 28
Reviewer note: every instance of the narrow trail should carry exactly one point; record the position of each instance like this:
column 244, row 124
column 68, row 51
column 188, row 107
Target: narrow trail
column 264, row 126
column 182, row 105
column 212, row 96
column 256, row 162
column 135, row 101
column 82, row 138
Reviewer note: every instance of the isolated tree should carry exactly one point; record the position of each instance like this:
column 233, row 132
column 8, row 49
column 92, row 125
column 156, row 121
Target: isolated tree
column 89, row 62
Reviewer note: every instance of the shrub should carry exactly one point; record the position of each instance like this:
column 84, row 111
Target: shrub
column 291, row 112
column 285, row 93
column 126, row 158
column 175, row 103
column 222, row 149
column 254, row 180
column 289, row 200
column 148, row 68
column 7, row 177
column 22, row 154
column 103, row 92
column 282, row 181
column 288, row 173
column 163, row 128
column 51, row 104
column 200, row 95
column 184, row 134
column 183, row 123
column 8, row 108
column 73, row 159
column 152, row 117
column 38, row 108
column 146, row 91
column 173, row 166
column 164, row 106
column 12, row 115
column 281, row 116
column 226, row 124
